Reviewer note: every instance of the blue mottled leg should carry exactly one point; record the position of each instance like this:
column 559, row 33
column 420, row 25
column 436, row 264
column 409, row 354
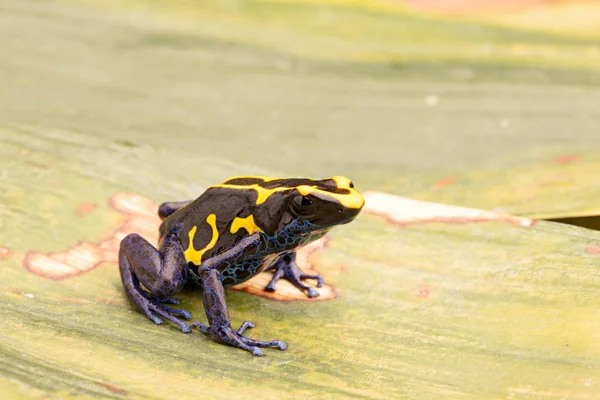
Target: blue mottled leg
column 287, row 268
column 219, row 326
column 161, row 272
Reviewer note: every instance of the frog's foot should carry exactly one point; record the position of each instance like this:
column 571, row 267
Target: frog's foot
column 166, row 300
column 288, row 269
column 151, row 307
column 226, row 334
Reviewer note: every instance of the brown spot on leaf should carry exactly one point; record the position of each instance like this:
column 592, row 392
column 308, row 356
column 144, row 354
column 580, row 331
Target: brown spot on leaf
column 594, row 249
column 85, row 256
column 4, row 252
column 80, row 258
column 424, row 292
column 112, row 388
column 85, row 208
column 36, row 164
column 72, row 300
column 109, row 302
column 444, row 182
column 567, row 159
column 134, row 204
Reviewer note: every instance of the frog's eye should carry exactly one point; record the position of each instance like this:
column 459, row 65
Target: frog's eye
column 302, row 201
column 351, row 185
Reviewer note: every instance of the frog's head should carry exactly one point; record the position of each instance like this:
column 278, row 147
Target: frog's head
column 323, row 203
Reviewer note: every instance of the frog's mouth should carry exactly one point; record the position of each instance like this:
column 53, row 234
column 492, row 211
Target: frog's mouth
column 346, row 197
column 321, row 209
column 337, row 215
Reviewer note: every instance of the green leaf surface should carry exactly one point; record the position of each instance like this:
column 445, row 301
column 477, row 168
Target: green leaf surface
column 165, row 98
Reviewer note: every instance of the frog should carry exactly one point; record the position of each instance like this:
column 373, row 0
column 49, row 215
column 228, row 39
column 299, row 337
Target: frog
column 229, row 234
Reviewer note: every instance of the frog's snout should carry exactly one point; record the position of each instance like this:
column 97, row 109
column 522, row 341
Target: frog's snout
column 348, row 214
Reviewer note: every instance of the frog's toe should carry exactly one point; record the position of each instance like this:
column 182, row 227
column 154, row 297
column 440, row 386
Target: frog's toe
column 200, row 326
column 257, row 352
column 166, row 312
column 245, row 325
column 182, row 313
column 318, row 278
column 257, row 343
column 312, row 293
column 270, row 287
column 156, row 312
column 175, row 311
column 153, row 317
column 165, row 300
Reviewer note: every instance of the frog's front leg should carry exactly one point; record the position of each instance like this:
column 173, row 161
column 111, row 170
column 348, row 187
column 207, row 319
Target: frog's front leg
column 287, row 268
column 219, row 326
column 162, row 272
column 213, row 296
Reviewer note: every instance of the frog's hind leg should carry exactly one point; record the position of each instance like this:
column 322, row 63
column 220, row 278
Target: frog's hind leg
column 287, row 268
column 170, row 207
column 162, row 272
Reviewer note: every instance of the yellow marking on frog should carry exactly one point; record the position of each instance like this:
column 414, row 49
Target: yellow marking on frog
column 353, row 199
column 263, row 194
column 349, row 200
column 342, row 182
column 246, row 223
column 195, row 256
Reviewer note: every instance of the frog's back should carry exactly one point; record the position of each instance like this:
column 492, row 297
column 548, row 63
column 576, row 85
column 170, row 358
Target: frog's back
column 225, row 213
column 207, row 223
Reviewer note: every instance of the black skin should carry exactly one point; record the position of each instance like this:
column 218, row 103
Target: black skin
column 285, row 221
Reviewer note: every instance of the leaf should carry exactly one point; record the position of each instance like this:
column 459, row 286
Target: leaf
column 450, row 292
column 482, row 307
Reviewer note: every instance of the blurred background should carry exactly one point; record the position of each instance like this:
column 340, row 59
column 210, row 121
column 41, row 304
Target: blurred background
column 168, row 97
column 486, row 104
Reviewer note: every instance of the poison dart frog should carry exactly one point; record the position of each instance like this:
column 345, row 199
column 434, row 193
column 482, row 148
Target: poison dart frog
column 230, row 233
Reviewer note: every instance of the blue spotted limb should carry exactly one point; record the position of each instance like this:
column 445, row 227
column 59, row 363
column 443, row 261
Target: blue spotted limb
column 219, row 327
column 213, row 296
column 287, row 268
